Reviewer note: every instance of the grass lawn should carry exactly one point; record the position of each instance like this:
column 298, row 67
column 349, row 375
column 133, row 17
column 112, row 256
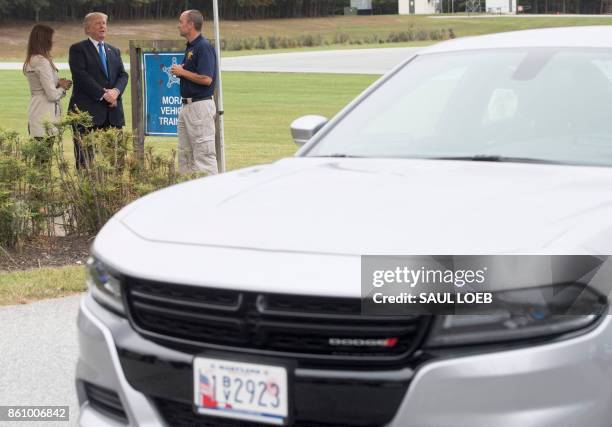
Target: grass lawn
column 26, row 286
column 13, row 36
column 258, row 110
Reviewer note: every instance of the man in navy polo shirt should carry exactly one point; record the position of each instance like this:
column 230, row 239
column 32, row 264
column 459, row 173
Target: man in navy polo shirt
column 198, row 74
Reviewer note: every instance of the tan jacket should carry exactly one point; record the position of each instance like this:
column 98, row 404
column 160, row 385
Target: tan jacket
column 46, row 96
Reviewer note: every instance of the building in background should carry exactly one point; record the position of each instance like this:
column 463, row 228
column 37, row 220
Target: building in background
column 363, row 7
column 424, row 7
column 501, row 6
column 418, row 7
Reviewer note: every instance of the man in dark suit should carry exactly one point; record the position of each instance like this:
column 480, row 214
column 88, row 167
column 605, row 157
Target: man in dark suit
column 99, row 80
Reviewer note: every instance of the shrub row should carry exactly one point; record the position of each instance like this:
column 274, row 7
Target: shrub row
column 41, row 193
column 283, row 42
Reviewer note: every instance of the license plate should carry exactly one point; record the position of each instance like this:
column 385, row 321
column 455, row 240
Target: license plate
column 245, row 391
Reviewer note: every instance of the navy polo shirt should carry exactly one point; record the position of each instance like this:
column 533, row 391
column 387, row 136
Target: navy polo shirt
column 200, row 58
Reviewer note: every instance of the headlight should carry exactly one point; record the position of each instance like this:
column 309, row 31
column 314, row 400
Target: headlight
column 521, row 315
column 104, row 285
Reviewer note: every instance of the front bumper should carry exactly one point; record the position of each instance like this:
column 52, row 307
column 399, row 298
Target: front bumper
column 565, row 383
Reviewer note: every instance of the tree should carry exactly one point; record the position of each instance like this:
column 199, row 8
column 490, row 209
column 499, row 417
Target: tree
column 37, row 6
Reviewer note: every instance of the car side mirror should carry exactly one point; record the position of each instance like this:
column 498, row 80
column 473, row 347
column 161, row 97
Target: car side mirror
column 305, row 127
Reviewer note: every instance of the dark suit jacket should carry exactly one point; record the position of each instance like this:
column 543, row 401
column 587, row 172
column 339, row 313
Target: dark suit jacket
column 90, row 81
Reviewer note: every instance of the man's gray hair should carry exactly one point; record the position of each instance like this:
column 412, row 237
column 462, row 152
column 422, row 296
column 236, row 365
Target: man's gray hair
column 93, row 15
column 196, row 17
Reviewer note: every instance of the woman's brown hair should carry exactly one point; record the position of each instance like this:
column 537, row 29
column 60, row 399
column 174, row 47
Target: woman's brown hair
column 40, row 43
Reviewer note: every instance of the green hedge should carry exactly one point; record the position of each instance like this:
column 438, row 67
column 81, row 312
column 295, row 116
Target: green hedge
column 42, row 194
column 283, row 42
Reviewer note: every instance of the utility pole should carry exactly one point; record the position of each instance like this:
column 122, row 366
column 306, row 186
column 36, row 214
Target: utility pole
column 221, row 139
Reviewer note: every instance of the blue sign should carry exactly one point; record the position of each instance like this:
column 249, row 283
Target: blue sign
column 162, row 96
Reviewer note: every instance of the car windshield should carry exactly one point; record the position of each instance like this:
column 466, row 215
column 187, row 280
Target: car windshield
column 539, row 104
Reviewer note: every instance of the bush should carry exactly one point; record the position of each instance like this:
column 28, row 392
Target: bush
column 372, row 39
column 421, row 35
column 272, row 42
column 115, row 177
column 341, row 38
column 261, row 43
column 435, row 35
column 310, row 40
column 41, row 193
column 248, row 43
column 16, row 196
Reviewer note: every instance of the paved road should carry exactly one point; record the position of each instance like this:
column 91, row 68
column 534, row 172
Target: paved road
column 350, row 61
column 38, row 354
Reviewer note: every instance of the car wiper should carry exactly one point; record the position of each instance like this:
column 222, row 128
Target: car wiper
column 496, row 158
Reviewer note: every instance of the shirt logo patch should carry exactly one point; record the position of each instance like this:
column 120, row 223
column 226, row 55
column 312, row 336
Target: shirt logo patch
column 189, row 55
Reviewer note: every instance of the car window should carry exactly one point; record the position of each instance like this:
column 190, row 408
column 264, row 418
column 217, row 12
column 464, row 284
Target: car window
column 433, row 92
column 550, row 104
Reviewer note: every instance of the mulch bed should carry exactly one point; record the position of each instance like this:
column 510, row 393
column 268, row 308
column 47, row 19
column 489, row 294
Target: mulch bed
column 46, row 252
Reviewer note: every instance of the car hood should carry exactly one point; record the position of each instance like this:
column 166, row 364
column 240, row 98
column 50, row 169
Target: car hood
column 386, row 206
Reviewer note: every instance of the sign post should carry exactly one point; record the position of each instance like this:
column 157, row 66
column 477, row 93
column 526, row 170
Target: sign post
column 141, row 89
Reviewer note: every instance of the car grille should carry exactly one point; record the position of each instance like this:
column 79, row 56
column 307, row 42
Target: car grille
column 192, row 318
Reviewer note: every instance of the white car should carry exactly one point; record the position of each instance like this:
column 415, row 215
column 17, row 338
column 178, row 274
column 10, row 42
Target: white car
column 234, row 300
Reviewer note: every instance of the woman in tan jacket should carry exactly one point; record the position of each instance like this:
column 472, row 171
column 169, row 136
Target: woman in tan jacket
column 46, row 87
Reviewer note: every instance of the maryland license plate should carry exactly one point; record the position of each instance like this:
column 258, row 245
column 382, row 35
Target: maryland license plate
column 245, row 391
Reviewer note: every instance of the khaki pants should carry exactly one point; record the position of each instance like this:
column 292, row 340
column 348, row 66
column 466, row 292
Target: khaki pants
column 196, row 138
